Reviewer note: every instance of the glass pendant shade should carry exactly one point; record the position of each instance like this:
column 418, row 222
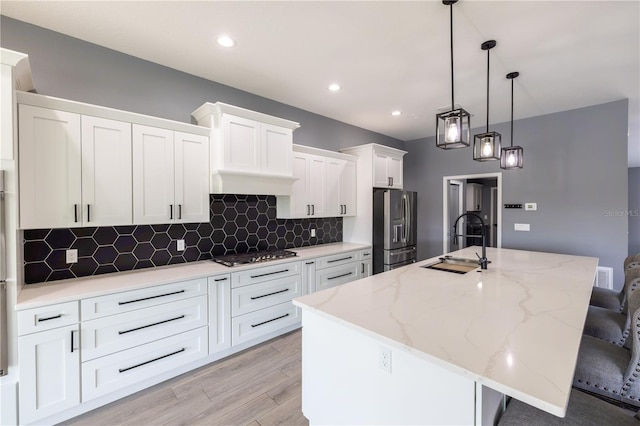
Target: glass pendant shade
column 486, row 146
column 452, row 129
column 511, row 158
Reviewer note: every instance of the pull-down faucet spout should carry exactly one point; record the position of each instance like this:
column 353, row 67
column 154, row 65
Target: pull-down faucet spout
column 482, row 260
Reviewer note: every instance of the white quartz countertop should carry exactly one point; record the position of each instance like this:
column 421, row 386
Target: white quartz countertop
column 36, row 295
column 515, row 327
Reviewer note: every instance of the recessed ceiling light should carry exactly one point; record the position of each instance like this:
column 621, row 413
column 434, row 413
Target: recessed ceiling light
column 334, row 87
column 226, row 41
column 396, row 113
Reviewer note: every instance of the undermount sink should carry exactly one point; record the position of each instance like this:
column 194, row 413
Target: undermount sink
column 455, row 265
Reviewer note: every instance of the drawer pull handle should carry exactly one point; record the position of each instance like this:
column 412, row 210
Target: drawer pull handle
column 270, row 294
column 122, row 370
column 269, row 273
column 366, row 254
column 150, row 297
column 338, row 260
column 220, row 279
column 151, row 325
column 73, row 346
column 50, row 318
column 340, row 276
column 309, row 263
column 265, row 322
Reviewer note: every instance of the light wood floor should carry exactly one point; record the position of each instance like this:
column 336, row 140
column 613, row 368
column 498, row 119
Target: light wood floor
column 260, row 386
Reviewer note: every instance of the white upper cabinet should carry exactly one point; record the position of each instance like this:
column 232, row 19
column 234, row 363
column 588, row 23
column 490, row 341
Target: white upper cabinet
column 324, row 186
column 387, row 169
column 251, row 152
column 169, row 176
column 75, row 170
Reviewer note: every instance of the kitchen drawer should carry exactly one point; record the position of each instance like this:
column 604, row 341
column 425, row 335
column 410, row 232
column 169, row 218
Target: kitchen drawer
column 101, row 306
column 265, row 273
column 337, row 275
column 110, row 373
column 366, row 254
column 104, row 336
column 47, row 317
column 336, row 259
column 250, row 298
column 255, row 324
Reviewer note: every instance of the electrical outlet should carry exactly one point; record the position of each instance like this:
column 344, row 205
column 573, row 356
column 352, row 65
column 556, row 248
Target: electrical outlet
column 72, row 256
column 313, row 233
column 521, row 227
column 530, row 207
column 180, row 245
column 385, row 359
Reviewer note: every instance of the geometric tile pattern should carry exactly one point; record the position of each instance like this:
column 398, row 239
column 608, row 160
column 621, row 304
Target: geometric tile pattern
column 238, row 224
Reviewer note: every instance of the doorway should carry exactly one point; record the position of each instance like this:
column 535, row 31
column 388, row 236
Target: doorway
column 454, row 196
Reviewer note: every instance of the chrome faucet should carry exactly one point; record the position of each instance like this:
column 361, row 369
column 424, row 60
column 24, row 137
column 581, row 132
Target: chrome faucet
column 482, row 260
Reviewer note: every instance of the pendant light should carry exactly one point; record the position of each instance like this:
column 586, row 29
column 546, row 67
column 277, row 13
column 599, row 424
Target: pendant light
column 486, row 146
column 511, row 157
column 452, row 127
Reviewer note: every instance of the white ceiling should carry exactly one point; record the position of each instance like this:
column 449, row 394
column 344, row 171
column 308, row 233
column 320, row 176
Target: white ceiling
column 387, row 55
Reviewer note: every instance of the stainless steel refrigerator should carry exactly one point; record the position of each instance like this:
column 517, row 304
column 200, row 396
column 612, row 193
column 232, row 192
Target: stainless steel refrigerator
column 394, row 229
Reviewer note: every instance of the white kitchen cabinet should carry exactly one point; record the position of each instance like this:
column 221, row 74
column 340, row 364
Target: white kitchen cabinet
column 366, row 263
column 308, row 276
column 49, row 372
column 474, row 197
column 341, row 268
column 75, row 170
column 387, row 169
column 251, row 152
column 219, row 313
column 169, row 176
column 341, row 187
column 325, row 185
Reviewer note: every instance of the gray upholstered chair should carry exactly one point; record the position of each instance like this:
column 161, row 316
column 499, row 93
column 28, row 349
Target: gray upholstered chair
column 611, row 299
column 609, row 370
column 614, row 326
column 582, row 410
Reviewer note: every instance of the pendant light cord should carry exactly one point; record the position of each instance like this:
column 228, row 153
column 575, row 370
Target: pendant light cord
column 488, row 53
column 451, row 38
column 512, row 112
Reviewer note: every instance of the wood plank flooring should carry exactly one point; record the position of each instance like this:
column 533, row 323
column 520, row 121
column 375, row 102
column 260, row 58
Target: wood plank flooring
column 260, row 386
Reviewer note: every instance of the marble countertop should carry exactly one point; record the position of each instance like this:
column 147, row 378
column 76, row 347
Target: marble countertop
column 515, row 327
column 37, row 295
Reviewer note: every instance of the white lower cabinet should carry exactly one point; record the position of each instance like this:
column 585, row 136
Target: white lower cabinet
column 336, row 275
column 341, row 268
column 219, row 313
column 121, row 369
column 49, row 372
column 256, row 324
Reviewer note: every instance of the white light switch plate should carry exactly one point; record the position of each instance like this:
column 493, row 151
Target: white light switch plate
column 530, row 206
column 72, row 256
column 180, row 245
column 521, row 227
column 313, row 233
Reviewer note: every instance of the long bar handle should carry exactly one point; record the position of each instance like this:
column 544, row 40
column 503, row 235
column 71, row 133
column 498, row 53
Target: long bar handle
column 268, row 321
column 50, row 318
column 270, row 294
column 402, row 252
column 179, row 211
column 171, row 211
column 269, row 273
column 75, row 213
column 220, row 279
column 122, row 370
column 150, row 297
column 73, row 345
column 341, row 259
column 340, row 276
column 88, row 212
column 151, row 325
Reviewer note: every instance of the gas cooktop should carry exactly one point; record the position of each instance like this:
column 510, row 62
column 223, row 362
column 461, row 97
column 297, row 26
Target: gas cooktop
column 253, row 257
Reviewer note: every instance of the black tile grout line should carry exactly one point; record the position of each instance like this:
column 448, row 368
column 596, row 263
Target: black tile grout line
column 238, row 223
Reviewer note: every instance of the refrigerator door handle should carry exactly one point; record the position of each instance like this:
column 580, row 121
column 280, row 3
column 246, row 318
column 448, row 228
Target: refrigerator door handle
column 397, row 233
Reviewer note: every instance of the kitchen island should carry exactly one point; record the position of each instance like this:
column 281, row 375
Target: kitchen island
column 422, row 346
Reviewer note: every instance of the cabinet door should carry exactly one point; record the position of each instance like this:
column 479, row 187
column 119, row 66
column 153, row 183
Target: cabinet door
column 335, row 171
column 241, row 144
column 365, row 269
column 309, row 277
column 191, row 178
column 336, row 275
column 394, row 169
column 219, row 313
column 153, row 175
column 49, row 373
column 50, row 168
column 318, row 186
column 380, row 172
column 106, row 172
column 300, row 204
column 277, row 149
column 348, row 188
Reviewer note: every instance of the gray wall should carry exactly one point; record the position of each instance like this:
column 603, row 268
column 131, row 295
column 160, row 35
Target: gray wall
column 575, row 169
column 634, row 210
column 69, row 68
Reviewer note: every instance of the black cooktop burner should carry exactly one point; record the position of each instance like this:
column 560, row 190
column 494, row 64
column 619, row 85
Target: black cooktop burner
column 254, row 257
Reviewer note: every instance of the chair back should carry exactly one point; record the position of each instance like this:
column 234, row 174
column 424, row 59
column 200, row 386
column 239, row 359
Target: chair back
column 632, row 262
column 631, row 386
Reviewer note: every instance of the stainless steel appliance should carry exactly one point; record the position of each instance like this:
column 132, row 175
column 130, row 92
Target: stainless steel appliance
column 4, row 350
column 394, row 229
column 253, row 257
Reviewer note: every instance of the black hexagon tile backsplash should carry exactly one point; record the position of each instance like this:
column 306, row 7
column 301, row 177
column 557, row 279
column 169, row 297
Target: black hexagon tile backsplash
column 238, row 224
